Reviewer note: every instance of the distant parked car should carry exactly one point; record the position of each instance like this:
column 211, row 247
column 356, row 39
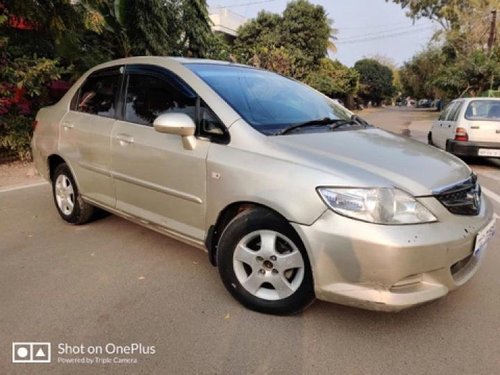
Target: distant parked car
column 424, row 103
column 469, row 127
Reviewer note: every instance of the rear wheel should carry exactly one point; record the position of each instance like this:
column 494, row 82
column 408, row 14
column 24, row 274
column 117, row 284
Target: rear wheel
column 69, row 203
column 263, row 263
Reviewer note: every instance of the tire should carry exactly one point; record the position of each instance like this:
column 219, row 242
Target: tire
column 429, row 139
column 69, row 203
column 274, row 278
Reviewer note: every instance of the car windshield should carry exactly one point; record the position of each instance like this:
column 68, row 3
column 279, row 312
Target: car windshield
column 488, row 110
column 268, row 101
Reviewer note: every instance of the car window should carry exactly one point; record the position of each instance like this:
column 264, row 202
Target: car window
column 149, row 96
column 453, row 114
column 209, row 124
column 445, row 112
column 488, row 110
column 267, row 101
column 98, row 95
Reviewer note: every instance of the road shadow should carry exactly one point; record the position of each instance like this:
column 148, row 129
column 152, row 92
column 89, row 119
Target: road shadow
column 481, row 162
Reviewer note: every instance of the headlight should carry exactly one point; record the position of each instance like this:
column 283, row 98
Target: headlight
column 376, row 205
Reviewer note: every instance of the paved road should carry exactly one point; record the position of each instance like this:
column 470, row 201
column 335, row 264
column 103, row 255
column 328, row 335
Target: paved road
column 116, row 282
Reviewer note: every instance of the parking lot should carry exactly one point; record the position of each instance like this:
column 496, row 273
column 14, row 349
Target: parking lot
column 112, row 281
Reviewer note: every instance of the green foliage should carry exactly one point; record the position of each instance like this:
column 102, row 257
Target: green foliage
column 375, row 81
column 257, row 34
column 295, row 44
column 469, row 75
column 306, row 27
column 446, row 12
column 53, row 29
column 334, row 79
column 217, row 48
column 23, row 91
column 32, row 74
column 292, row 44
column 461, row 62
column 419, row 74
column 15, row 135
column 61, row 37
column 153, row 27
column 195, row 26
column 288, row 62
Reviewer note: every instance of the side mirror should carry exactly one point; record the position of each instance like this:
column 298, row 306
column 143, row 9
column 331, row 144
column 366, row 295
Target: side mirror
column 179, row 124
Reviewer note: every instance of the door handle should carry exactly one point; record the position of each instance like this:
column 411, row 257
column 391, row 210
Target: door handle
column 68, row 125
column 124, row 139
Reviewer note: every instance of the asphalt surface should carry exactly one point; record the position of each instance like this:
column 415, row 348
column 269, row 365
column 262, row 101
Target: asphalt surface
column 115, row 282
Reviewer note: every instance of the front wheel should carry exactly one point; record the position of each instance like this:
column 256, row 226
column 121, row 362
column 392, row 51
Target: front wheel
column 429, row 139
column 69, row 203
column 263, row 263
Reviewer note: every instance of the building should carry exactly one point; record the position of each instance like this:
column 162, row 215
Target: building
column 225, row 22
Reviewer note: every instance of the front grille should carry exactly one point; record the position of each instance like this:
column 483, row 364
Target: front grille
column 463, row 198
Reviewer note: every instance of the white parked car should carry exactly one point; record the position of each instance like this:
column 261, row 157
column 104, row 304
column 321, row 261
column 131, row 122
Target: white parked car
column 469, row 127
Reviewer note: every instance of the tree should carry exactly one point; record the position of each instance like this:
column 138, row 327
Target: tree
column 260, row 32
column 375, row 81
column 418, row 75
column 469, row 75
column 24, row 89
column 42, row 41
column 45, row 28
column 389, row 62
column 154, row 27
column 305, row 26
column 334, row 79
column 460, row 63
column 291, row 44
column 197, row 36
column 445, row 12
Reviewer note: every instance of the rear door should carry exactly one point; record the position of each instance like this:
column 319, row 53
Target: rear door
column 452, row 122
column 439, row 127
column 86, row 133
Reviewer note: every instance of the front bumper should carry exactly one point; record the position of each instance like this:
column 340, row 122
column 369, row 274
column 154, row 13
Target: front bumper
column 390, row 268
column 471, row 149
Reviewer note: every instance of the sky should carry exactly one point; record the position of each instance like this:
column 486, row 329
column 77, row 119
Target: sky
column 365, row 27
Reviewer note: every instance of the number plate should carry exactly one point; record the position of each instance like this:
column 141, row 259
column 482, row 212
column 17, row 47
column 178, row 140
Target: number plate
column 484, row 236
column 488, row 152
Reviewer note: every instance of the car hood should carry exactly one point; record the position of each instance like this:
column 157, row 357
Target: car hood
column 374, row 157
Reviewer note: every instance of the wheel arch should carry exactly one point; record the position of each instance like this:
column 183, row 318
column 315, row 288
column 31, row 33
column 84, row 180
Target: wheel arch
column 53, row 161
column 224, row 218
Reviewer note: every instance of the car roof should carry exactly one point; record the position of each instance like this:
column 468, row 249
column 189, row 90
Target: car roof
column 158, row 60
column 476, row 98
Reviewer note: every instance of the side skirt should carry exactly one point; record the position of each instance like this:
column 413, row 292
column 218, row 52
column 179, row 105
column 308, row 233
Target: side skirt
column 157, row 228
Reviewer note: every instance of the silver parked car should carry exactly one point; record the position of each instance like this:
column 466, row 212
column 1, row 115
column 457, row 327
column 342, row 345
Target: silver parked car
column 292, row 195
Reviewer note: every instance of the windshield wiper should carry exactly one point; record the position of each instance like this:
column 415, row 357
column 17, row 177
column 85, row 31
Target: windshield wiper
column 354, row 120
column 333, row 123
column 323, row 121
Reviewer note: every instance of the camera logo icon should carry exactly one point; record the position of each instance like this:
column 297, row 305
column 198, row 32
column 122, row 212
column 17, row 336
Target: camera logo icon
column 31, row 352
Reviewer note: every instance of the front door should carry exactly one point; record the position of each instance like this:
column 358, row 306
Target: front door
column 156, row 178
